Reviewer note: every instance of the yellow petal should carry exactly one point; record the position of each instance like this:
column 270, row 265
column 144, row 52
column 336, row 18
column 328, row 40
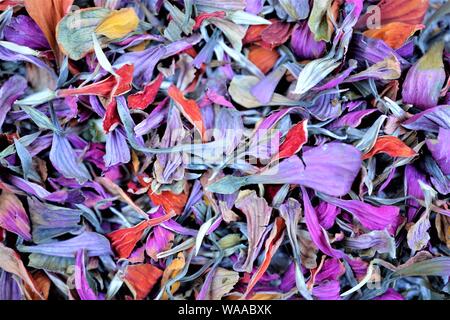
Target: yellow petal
column 118, row 24
column 171, row 272
column 140, row 47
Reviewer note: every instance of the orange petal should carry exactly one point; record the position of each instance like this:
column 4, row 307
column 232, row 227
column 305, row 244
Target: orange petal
column 263, row 58
column 141, row 278
column 47, row 15
column 42, row 283
column 394, row 34
column 189, row 108
column 392, row 146
column 406, row 11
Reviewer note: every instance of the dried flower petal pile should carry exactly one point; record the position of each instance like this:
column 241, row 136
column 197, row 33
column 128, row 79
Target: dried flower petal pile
column 241, row 149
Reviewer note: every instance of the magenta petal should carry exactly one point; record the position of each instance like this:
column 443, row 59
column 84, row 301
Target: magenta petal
column 318, row 234
column 13, row 216
column 84, row 290
column 390, row 294
column 332, row 269
column 371, row 217
column 327, row 290
column 327, row 214
column 160, row 238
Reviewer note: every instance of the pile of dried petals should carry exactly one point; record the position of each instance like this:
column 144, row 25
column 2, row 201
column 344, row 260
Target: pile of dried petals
column 239, row 149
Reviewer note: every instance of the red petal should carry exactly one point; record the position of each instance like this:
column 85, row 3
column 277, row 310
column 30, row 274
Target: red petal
column 254, row 33
column 126, row 78
column 189, row 108
column 143, row 99
column 295, row 139
column 392, row 146
column 205, row 16
column 106, row 88
column 141, row 278
column 276, row 34
column 10, row 3
column 124, row 240
column 112, row 118
column 191, row 52
column 272, row 244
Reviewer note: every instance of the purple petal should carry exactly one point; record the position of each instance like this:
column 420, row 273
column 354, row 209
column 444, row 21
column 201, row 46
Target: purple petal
column 352, row 119
column 430, row 119
column 8, row 55
column 413, row 189
column 379, row 241
column 25, row 32
column 330, row 169
column 117, row 150
column 264, row 89
column 9, row 288
column 153, row 121
column 424, row 81
column 440, row 150
column 65, row 160
column 365, row 49
column 51, row 221
column 254, row 6
column 303, row 43
column 94, row 244
column 11, row 90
